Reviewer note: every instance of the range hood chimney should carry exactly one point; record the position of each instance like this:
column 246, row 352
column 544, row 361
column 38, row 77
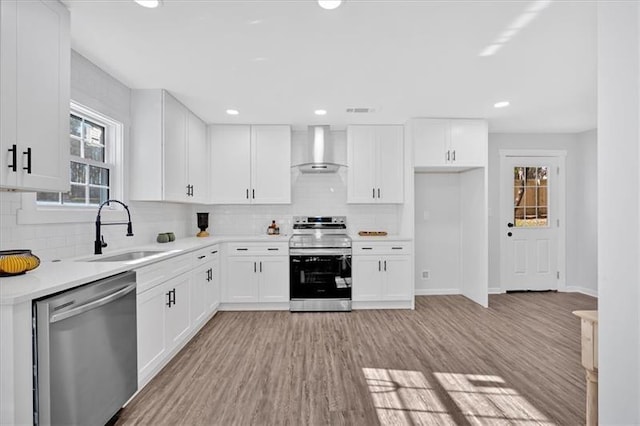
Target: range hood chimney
column 319, row 155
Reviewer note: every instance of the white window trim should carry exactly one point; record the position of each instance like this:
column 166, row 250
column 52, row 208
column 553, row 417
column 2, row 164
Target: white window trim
column 31, row 213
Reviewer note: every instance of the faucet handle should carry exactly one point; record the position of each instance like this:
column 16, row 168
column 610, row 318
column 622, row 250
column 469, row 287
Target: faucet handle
column 102, row 243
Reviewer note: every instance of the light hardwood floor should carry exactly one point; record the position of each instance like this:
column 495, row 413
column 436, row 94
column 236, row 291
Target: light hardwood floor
column 448, row 362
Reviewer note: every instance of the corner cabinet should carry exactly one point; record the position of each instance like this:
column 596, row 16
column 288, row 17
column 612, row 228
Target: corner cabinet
column 168, row 150
column 375, row 156
column 250, row 164
column 449, row 143
column 34, row 84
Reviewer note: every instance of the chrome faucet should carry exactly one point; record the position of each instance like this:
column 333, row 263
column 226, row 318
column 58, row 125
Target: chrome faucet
column 99, row 244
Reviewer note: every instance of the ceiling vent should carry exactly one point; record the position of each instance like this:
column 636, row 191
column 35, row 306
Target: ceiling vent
column 361, row 110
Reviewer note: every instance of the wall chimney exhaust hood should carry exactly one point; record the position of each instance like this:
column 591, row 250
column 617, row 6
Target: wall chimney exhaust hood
column 319, row 153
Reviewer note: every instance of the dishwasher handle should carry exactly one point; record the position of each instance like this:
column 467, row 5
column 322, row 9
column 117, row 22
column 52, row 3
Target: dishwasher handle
column 92, row 305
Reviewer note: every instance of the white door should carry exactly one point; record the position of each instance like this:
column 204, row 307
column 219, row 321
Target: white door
column 242, row 280
column 274, row 279
column 367, row 278
column 175, row 150
column 531, row 222
column 271, row 164
column 390, row 164
column 230, row 165
column 361, row 173
column 398, row 278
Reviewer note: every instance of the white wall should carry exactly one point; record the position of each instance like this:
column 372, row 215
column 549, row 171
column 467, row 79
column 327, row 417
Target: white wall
column 619, row 212
column 315, row 194
column 437, row 218
column 97, row 90
column 581, row 196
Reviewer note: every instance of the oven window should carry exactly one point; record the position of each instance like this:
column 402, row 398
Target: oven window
column 325, row 277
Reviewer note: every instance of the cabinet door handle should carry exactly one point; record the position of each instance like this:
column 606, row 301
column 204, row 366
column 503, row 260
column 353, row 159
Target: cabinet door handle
column 247, row 193
column 253, row 194
column 254, row 268
column 14, row 158
column 453, row 156
column 385, row 266
column 168, row 299
column 448, row 155
column 28, row 154
column 378, row 192
column 379, row 266
column 373, row 193
column 192, row 190
column 260, row 266
column 201, row 257
column 174, row 296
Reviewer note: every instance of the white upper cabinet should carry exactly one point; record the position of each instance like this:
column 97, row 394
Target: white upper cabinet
column 34, row 84
column 375, row 156
column 449, row 143
column 168, row 150
column 250, row 164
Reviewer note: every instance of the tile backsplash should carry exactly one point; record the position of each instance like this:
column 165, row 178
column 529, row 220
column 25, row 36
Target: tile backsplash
column 323, row 194
column 66, row 240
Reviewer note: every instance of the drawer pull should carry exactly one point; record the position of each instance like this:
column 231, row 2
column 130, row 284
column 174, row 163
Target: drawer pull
column 214, row 252
column 201, row 257
column 367, row 248
column 396, row 248
column 242, row 249
column 273, row 249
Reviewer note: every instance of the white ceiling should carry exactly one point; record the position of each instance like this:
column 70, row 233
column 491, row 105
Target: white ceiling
column 278, row 61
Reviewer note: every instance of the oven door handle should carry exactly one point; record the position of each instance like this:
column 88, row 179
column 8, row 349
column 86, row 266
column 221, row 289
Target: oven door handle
column 320, row 252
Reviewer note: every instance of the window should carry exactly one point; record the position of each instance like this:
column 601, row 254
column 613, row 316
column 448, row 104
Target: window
column 530, row 204
column 93, row 141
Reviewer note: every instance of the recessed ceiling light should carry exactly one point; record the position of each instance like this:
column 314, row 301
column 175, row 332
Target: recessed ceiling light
column 320, row 112
column 233, row 112
column 329, row 4
column 148, row 3
column 501, row 104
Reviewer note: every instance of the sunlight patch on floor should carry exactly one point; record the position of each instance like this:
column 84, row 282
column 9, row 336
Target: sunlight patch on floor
column 405, row 397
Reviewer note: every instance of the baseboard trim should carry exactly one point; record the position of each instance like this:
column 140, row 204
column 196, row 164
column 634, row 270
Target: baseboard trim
column 495, row 290
column 437, row 291
column 583, row 290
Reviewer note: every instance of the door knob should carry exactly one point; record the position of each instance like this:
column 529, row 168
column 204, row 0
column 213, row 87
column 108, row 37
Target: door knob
column 509, row 234
column 510, row 225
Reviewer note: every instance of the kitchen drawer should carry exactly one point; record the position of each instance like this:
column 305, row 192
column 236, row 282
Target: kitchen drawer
column 386, row 247
column 258, row 249
column 159, row 272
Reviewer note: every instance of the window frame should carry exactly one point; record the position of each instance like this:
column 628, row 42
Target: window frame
column 33, row 212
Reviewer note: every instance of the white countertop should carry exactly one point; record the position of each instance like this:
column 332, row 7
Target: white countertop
column 52, row 277
column 358, row 238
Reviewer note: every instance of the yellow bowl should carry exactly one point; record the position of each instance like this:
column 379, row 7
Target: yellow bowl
column 17, row 262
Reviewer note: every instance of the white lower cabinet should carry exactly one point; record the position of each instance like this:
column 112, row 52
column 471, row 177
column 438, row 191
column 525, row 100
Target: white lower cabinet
column 163, row 321
column 379, row 274
column 257, row 273
column 175, row 298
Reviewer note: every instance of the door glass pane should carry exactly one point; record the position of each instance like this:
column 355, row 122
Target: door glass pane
column 530, row 197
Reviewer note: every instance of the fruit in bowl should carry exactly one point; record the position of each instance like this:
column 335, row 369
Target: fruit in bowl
column 16, row 262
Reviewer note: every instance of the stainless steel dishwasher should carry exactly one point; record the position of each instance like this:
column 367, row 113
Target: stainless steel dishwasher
column 85, row 352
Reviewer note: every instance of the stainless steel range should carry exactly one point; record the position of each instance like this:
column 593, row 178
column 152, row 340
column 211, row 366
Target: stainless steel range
column 320, row 264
